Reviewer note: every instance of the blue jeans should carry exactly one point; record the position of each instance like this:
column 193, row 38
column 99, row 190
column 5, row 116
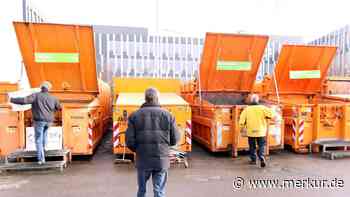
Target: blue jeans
column 159, row 179
column 40, row 129
column 252, row 147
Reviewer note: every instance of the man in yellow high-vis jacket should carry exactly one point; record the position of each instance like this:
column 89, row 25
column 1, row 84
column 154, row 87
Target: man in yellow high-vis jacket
column 254, row 119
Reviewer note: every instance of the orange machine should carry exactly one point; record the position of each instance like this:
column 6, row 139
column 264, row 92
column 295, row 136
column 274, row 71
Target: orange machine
column 65, row 56
column 11, row 121
column 309, row 116
column 227, row 73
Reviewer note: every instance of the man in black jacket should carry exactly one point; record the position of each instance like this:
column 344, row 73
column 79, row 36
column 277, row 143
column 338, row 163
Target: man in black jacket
column 43, row 107
column 151, row 130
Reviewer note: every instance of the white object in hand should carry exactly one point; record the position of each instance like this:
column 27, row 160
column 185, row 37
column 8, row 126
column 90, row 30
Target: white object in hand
column 21, row 94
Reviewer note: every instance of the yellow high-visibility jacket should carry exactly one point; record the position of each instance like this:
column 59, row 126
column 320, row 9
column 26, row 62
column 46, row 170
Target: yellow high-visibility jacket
column 254, row 118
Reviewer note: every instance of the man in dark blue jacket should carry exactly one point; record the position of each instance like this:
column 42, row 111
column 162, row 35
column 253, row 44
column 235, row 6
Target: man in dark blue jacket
column 43, row 107
column 151, row 130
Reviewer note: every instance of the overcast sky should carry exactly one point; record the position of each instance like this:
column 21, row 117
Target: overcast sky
column 307, row 18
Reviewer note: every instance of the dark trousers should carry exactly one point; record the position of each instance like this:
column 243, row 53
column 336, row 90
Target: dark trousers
column 159, row 179
column 252, row 147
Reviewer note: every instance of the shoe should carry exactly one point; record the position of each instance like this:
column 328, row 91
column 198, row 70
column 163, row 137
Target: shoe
column 252, row 162
column 41, row 162
column 263, row 164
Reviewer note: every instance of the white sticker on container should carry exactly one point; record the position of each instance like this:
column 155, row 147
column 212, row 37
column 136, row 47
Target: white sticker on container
column 306, row 109
column 76, row 130
column 226, row 128
column 275, row 131
column 54, row 138
column 11, row 129
column 225, row 110
column 219, row 133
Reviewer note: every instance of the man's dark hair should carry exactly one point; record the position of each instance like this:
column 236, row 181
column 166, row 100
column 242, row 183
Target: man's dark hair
column 151, row 96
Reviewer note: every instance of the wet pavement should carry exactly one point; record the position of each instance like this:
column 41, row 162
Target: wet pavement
column 209, row 175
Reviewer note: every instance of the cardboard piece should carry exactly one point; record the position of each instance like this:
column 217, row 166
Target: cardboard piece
column 21, row 94
column 54, row 138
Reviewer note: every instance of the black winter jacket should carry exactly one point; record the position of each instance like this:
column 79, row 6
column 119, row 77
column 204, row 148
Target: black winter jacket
column 151, row 130
column 43, row 105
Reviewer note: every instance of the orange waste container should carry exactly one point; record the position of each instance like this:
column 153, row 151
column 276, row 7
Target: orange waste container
column 129, row 96
column 11, row 122
column 309, row 116
column 227, row 73
column 65, row 56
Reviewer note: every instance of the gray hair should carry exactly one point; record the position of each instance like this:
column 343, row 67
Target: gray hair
column 254, row 98
column 45, row 85
column 151, row 95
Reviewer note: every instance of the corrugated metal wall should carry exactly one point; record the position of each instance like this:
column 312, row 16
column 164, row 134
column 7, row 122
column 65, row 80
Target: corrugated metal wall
column 136, row 54
column 341, row 39
column 133, row 55
column 31, row 14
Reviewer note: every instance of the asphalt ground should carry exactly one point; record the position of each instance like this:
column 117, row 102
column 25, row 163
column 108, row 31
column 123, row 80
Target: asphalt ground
column 214, row 175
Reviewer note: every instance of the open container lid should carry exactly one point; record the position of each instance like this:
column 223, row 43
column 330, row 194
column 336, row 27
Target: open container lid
column 137, row 99
column 139, row 85
column 61, row 54
column 230, row 62
column 302, row 68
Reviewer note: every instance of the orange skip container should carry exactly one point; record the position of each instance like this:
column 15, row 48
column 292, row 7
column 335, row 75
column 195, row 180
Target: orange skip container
column 65, row 56
column 11, row 122
column 227, row 73
column 309, row 116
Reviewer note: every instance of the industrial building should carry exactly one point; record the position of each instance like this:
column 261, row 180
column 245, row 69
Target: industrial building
column 133, row 52
column 341, row 39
